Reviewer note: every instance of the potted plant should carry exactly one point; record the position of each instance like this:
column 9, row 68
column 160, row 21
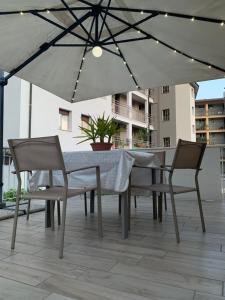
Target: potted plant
column 100, row 131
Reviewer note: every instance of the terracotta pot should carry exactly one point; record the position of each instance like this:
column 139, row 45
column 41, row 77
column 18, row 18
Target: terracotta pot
column 101, row 146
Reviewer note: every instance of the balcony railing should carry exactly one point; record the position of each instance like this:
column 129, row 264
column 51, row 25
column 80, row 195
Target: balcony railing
column 128, row 112
column 200, row 112
column 120, row 109
column 121, row 142
column 216, row 112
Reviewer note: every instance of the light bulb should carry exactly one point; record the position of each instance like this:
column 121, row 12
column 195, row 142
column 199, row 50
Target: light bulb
column 97, row 51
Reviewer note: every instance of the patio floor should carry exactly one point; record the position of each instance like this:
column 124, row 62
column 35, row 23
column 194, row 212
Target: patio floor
column 149, row 265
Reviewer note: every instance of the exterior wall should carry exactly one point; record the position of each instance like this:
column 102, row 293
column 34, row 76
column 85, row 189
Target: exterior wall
column 181, row 102
column 185, row 112
column 45, row 117
column 12, row 108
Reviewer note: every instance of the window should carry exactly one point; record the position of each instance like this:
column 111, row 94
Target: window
column 64, row 119
column 165, row 89
column 166, row 114
column 85, row 121
column 166, row 141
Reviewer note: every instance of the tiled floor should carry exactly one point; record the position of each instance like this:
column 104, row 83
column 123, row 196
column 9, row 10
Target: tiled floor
column 149, row 265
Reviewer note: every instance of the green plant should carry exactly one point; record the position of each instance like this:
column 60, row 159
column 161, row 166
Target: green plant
column 10, row 195
column 100, row 129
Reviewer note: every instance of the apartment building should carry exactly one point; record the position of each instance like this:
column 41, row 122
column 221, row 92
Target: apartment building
column 174, row 114
column 210, row 121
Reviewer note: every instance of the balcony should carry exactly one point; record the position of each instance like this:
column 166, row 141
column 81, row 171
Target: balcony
column 200, row 112
column 126, row 111
column 121, row 142
column 120, row 109
column 216, row 112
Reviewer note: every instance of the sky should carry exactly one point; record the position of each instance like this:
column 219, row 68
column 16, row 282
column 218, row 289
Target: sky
column 211, row 89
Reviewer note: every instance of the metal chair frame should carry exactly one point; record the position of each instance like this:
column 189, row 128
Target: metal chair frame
column 14, row 145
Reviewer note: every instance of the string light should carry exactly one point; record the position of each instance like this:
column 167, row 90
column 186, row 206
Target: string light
column 166, row 15
column 175, row 51
column 192, row 60
column 48, row 11
column 124, row 62
column 222, row 24
column 193, row 19
column 210, row 67
column 157, row 42
column 21, row 13
column 138, row 31
column 142, row 12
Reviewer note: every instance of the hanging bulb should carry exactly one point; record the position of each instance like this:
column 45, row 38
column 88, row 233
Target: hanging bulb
column 97, row 51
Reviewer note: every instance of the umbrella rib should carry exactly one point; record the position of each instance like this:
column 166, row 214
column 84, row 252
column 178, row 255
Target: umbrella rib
column 86, row 2
column 121, row 54
column 127, row 40
column 131, row 26
column 74, row 16
column 172, row 48
column 58, row 25
column 82, row 62
column 159, row 12
column 103, row 21
column 45, row 46
column 44, row 10
column 70, row 45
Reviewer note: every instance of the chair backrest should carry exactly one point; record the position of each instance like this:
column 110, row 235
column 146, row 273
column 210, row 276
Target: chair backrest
column 43, row 153
column 188, row 155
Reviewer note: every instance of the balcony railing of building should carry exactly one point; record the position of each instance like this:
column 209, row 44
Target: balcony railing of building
column 210, row 127
column 130, row 113
column 200, row 112
column 121, row 142
column 216, row 141
column 216, row 112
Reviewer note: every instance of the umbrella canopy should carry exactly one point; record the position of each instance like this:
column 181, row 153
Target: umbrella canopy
column 144, row 43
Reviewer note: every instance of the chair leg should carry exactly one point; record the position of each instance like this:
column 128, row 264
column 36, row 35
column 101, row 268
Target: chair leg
column 52, row 208
column 154, row 199
column 28, row 209
column 165, row 201
column 99, row 202
column 15, row 220
column 175, row 217
column 59, row 213
column 62, row 234
column 135, row 201
column 160, row 198
column 85, row 204
column 119, row 208
column 201, row 210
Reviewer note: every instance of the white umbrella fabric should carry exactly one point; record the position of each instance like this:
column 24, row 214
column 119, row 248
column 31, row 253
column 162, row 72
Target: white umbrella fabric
column 144, row 43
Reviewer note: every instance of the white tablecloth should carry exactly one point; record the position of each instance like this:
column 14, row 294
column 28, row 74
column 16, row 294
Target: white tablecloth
column 115, row 168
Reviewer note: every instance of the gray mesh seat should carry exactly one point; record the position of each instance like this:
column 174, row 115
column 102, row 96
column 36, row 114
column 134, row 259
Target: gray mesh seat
column 188, row 155
column 44, row 154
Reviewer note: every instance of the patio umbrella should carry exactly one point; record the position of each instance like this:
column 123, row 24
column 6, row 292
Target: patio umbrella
column 83, row 49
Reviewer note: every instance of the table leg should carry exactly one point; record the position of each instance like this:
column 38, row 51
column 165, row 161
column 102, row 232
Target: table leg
column 124, row 214
column 47, row 214
column 154, row 195
column 160, row 200
column 92, row 202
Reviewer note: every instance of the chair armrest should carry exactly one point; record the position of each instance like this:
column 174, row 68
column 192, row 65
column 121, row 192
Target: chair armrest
column 81, row 169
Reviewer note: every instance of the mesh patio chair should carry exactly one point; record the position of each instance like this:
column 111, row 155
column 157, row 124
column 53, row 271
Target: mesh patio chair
column 188, row 155
column 161, row 156
column 44, row 154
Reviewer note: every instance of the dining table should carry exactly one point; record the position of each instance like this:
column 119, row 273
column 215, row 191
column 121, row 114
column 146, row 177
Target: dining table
column 117, row 168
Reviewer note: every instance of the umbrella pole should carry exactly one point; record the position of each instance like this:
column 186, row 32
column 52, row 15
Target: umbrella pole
column 2, row 85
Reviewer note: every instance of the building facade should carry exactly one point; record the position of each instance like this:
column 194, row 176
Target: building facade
column 210, row 121
column 174, row 114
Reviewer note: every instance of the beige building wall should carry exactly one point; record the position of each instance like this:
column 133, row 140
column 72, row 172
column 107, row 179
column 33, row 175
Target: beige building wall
column 185, row 112
column 180, row 100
